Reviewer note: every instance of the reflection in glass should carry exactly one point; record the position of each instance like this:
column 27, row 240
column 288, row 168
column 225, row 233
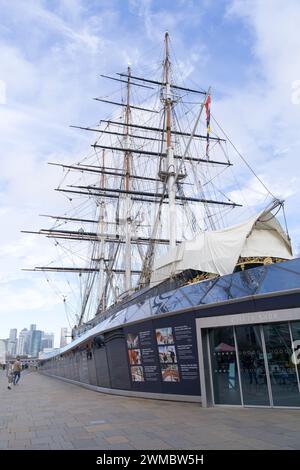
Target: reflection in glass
column 224, row 367
column 164, row 298
column 295, row 328
column 179, row 299
column 252, row 365
column 282, row 370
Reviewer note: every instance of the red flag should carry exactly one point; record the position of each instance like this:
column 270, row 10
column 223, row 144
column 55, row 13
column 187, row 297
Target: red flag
column 207, row 108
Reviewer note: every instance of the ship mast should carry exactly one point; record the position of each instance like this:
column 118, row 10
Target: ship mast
column 102, row 300
column 127, row 186
column 127, row 164
column 170, row 169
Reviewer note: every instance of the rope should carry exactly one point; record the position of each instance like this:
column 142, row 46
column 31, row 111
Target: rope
column 285, row 221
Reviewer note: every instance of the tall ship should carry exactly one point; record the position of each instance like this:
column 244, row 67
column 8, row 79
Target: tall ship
column 186, row 291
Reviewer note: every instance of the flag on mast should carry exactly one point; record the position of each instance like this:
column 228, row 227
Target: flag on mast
column 207, row 108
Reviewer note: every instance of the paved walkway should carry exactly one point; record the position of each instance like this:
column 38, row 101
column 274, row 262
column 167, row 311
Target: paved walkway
column 45, row 413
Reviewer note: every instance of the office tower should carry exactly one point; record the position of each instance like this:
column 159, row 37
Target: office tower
column 35, row 344
column 63, row 337
column 13, row 334
column 47, row 341
column 23, row 343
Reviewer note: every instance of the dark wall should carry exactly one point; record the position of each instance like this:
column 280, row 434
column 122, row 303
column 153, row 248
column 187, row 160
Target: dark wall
column 158, row 355
column 117, row 358
column 100, row 361
column 91, row 363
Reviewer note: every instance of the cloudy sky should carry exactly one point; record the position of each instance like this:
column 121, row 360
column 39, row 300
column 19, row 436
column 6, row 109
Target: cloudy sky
column 52, row 53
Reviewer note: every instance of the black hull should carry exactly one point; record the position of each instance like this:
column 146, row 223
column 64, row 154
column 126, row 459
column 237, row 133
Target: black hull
column 166, row 352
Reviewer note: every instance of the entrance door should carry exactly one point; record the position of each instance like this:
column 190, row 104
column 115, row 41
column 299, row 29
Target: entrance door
column 283, row 374
column 224, row 367
column 251, row 365
column 254, row 373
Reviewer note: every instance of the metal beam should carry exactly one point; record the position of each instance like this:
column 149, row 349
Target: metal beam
column 154, row 195
column 95, row 169
column 125, row 81
column 125, row 105
column 101, row 131
column 163, row 84
column 158, row 154
column 78, row 270
column 72, row 219
column 158, row 129
column 93, row 236
column 154, row 201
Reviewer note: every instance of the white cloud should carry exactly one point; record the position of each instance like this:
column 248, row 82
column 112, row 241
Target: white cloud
column 27, row 298
column 260, row 116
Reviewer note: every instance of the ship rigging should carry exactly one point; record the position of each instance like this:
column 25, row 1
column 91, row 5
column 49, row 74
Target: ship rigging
column 154, row 179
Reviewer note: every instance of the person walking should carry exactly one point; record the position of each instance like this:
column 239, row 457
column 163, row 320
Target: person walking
column 10, row 374
column 17, row 367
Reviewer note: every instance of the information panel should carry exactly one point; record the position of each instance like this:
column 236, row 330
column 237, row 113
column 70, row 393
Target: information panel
column 162, row 356
column 142, row 355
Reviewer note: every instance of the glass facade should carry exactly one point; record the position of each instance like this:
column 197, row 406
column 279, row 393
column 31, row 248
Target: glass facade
column 252, row 365
column 163, row 299
column 295, row 330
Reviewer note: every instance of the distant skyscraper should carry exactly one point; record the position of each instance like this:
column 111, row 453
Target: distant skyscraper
column 23, row 344
column 35, row 344
column 63, row 337
column 2, row 351
column 11, row 347
column 30, row 338
column 13, row 334
column 12, row 342
column 47, row 341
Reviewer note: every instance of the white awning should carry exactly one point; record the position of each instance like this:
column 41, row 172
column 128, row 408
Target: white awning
column 218, row 251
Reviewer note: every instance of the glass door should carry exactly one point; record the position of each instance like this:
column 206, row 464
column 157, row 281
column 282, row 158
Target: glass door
column 252, row 365
column 295, row 333
column 224, row 368
column 283, row 376
column 253, row 371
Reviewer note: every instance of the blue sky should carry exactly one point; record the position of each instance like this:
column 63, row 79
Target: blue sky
column 52, row 53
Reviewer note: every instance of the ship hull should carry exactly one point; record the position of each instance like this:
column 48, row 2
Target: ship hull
column 228, row 341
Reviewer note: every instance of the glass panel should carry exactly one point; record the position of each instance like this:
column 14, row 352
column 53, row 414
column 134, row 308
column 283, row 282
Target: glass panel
column 224, row 367
column 281, row 276
column 295, row 327
column 252, row 365
column 282, row 370
column 179, row 299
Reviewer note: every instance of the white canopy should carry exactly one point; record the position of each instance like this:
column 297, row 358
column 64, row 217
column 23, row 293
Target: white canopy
column 218, row 251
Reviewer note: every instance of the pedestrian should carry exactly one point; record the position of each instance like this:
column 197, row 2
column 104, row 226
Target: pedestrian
column 17, row 367
column 10, row 374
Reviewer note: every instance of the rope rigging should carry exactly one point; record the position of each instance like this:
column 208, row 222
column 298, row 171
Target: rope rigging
column 145, row 152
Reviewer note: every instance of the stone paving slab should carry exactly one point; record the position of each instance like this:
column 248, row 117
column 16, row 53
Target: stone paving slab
column 45, row 413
